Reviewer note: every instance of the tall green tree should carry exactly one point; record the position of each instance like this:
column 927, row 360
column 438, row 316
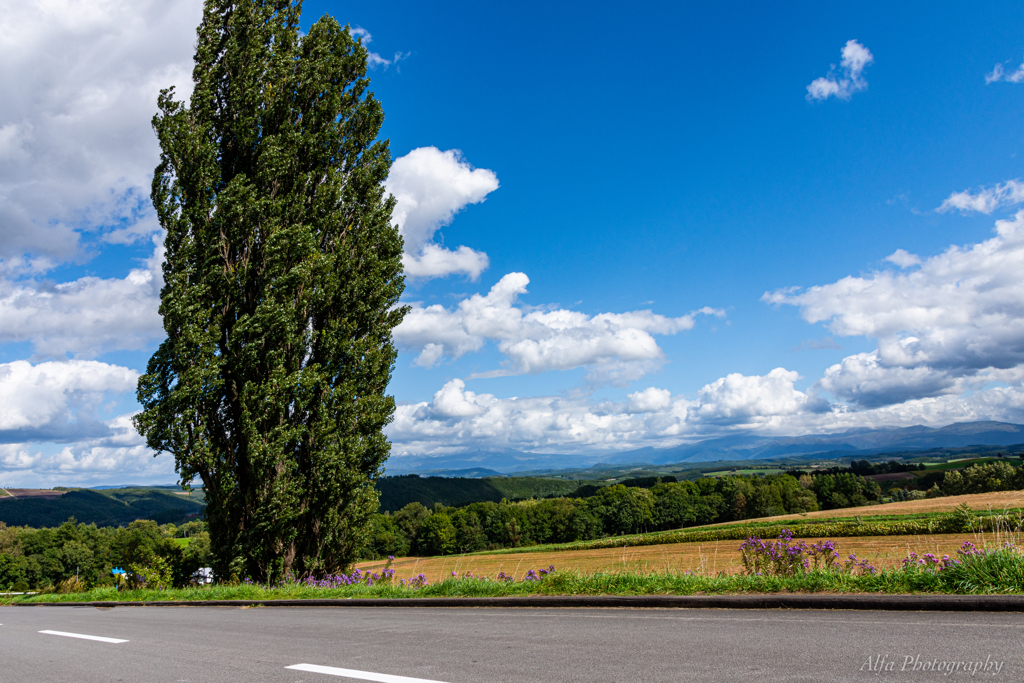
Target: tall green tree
column 281, row 285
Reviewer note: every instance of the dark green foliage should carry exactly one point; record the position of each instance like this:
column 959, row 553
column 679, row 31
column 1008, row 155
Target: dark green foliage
column 562, row 520
column 864, row 468
column 437, row 535
column 684, row 505
column 623, row 510
column 469, row 531
column 410, row 518
column 281, row 283
column 397, row 492
column 996, row 476
column 647, row 482
column 844, row 490
column 385, row 538
column 44, row 558
column 111, row 507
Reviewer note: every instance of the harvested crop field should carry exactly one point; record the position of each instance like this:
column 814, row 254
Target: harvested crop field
column 32, row 493
column 707, row 558
column 997, row 501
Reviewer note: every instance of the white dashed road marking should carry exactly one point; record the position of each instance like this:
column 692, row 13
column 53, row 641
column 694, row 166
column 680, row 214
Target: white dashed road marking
column 361, row 675
column 84, row 637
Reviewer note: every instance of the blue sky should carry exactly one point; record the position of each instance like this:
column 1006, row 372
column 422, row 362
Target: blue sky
column 668, row 154
column 636, row 164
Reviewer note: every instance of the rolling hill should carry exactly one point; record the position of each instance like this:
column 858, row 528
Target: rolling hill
column 109, row 507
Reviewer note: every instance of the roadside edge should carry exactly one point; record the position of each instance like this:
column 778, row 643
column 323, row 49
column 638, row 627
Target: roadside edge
column 929, row 603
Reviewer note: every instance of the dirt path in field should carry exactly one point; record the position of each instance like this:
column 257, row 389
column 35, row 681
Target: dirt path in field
column 708, row 558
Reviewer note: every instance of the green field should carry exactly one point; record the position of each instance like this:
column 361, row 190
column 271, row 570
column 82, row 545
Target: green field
column 744, row 472
column 961, row 463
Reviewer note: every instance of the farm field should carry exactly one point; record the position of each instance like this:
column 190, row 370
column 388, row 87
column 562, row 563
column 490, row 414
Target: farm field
column 704, row 558
column 997, row 501
column 961, row 463
column 744, row 472
column 21, row 494
column 723, row 556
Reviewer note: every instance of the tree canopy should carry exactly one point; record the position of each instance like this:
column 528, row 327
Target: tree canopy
column 281, row 286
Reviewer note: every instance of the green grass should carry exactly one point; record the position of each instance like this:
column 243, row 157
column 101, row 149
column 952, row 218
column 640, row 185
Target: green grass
column 959, row 465
column 729, row 473
column 996, row 572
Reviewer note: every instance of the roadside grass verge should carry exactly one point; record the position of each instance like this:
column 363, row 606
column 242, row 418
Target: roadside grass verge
column 992, row 572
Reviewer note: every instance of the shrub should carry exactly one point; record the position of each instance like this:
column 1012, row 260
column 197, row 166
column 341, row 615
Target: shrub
column 155, row 575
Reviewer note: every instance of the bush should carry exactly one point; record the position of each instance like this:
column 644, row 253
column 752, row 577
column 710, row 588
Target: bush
column 154, row 575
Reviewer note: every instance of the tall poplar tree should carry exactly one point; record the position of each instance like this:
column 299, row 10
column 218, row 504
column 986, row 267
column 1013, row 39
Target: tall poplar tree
column 281, row 285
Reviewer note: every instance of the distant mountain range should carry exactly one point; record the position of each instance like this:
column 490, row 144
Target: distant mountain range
column 854, row 442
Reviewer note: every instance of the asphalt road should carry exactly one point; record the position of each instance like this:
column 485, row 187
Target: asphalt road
column 221, row 644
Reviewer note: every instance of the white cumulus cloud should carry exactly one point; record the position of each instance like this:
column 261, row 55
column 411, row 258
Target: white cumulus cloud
column 120, row 457
column 851, row 78
column 459, row 418
column 430, row 187
column 56, row 401
column 87, row 316
column 80, row 82
column 750, row 400
column 619, row 347
column 957, row 318
column 650, row 400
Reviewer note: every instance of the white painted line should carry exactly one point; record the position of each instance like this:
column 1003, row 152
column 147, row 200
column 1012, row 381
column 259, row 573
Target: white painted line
column 361, row 675
column 84, row 637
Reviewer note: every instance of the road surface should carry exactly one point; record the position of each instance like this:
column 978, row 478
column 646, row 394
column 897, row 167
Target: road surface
column 394, row 645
